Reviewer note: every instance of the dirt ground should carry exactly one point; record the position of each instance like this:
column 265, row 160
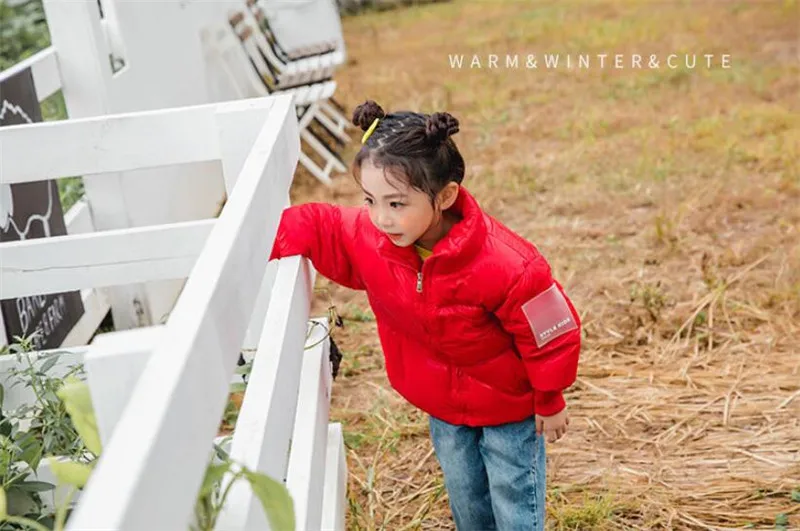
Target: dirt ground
column 667, row 202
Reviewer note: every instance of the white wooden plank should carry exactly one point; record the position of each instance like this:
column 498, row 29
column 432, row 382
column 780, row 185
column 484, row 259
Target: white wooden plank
column 3, row 340
column 44, row 68
column 17, row 395
column 306, row 472
column 257, row 320
column 89, row 90
column 254, row 330
column 113, row 366
column 95, row 309
column 63, row 263
column 46, row 77
column 162, row 442
column 108, row 144
column 237, row 128
column 266, row 418
column 119, row 142
column 334, row 501
column 78, row 218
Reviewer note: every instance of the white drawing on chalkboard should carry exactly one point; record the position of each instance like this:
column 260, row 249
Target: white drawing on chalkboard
column 7, row 199
column 16, row 109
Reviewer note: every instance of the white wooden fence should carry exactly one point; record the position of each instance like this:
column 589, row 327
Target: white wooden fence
column 160, row 392
column 78, row 220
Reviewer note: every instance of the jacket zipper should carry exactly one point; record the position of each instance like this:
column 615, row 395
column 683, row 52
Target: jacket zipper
column 419, row 281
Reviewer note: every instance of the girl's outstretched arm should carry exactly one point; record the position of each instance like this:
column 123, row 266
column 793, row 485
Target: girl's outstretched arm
column 547, row 333
column 324, row 233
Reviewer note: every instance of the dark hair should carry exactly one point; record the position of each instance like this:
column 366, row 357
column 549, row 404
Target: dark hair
column 411, row 146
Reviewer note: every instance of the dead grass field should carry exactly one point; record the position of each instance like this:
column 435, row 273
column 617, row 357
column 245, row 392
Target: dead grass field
column 668, row 203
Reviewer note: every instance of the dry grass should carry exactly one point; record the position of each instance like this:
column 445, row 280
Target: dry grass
column 667, row 202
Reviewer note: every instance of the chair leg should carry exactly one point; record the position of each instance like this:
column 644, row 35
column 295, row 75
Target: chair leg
column 323, row 175
column 338, row 105
column 331, row 158
column 317, row 145
column 337, row 130
column 333, row 111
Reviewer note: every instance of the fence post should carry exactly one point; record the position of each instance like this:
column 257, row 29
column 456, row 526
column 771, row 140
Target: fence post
column 83, row 60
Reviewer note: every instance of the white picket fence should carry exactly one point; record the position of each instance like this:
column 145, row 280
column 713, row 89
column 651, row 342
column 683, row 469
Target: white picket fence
column 160, row 392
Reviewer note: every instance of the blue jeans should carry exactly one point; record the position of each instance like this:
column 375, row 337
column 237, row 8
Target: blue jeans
column 494, row 475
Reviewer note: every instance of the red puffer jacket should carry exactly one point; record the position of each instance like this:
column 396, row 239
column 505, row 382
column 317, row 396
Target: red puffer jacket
column 478, row 334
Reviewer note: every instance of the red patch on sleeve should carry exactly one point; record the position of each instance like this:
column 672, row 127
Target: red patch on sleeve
column 549, row 316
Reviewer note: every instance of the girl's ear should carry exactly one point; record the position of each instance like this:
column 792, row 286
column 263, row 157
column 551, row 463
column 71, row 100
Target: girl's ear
column 448, row 195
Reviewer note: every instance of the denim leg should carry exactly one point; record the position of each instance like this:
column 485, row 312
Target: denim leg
column 514, row 456
column 464, row 475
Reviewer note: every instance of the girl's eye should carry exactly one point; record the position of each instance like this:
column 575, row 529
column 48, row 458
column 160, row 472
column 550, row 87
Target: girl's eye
column 367, row 201
column 395, row 204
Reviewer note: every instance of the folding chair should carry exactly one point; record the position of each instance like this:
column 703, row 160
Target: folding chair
column 251, row 76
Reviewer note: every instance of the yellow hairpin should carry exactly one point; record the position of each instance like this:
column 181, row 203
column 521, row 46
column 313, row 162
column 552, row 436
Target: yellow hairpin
column 370, row 130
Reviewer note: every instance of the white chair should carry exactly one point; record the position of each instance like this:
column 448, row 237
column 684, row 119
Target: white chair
column 289, row 53
column 287, row 73
column 237, row 59
column 301, row 23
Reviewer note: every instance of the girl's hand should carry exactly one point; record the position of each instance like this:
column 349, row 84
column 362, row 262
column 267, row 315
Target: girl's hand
column 554, row 427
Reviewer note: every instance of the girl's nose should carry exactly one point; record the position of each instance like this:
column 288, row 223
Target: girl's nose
column 384, row 222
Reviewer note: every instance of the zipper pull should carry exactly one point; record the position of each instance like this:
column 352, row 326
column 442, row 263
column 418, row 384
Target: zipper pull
column 419, row 282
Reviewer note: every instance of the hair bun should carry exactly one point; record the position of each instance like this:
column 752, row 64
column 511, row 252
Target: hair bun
column 366, row 113
column 439, row 126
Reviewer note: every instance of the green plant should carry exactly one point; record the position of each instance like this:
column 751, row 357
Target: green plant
column 651, row 296
column 221, row 476
column 23, row 32
column 274, row 497
column 47, row 416
column 63, row 427
column 20, row 454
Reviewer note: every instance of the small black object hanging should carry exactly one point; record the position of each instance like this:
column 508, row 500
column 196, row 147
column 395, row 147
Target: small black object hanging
column 335, row 358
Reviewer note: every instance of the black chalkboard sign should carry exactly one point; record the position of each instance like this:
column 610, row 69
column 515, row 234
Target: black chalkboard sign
column 27, row 211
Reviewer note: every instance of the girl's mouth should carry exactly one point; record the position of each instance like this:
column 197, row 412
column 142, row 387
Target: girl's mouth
column 394, row 237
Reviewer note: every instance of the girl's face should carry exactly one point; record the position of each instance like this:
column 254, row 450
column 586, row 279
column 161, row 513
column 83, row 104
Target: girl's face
column 395, row 208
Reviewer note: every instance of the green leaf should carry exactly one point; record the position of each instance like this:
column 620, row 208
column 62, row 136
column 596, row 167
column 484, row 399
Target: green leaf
column 781, row 520
column 2, row 398
column 3, row 507
column 796, row 495
column 31, row 451
column 35, row 486
column 78, row 402
column 20, row 503
column 238, row 387
column 213, row 475
column 275, row 500
column 47, row 365
column 70, row 472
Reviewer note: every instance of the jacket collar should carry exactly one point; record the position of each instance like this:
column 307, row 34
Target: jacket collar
column 464, row 240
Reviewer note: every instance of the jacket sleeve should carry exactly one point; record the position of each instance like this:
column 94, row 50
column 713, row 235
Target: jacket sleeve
column 325, row 234
column 546, row 330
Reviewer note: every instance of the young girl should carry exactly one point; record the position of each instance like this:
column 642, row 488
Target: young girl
column 475, row 331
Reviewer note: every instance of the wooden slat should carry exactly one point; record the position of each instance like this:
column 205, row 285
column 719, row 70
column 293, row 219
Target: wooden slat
column 78, row 219
column 44, row 67
column 266, row 418
column 95, row 309
column 306, row 472
column 64, row 263
column 162, row 442
column 114, row 364
column 334, row 502
column 120, row 142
